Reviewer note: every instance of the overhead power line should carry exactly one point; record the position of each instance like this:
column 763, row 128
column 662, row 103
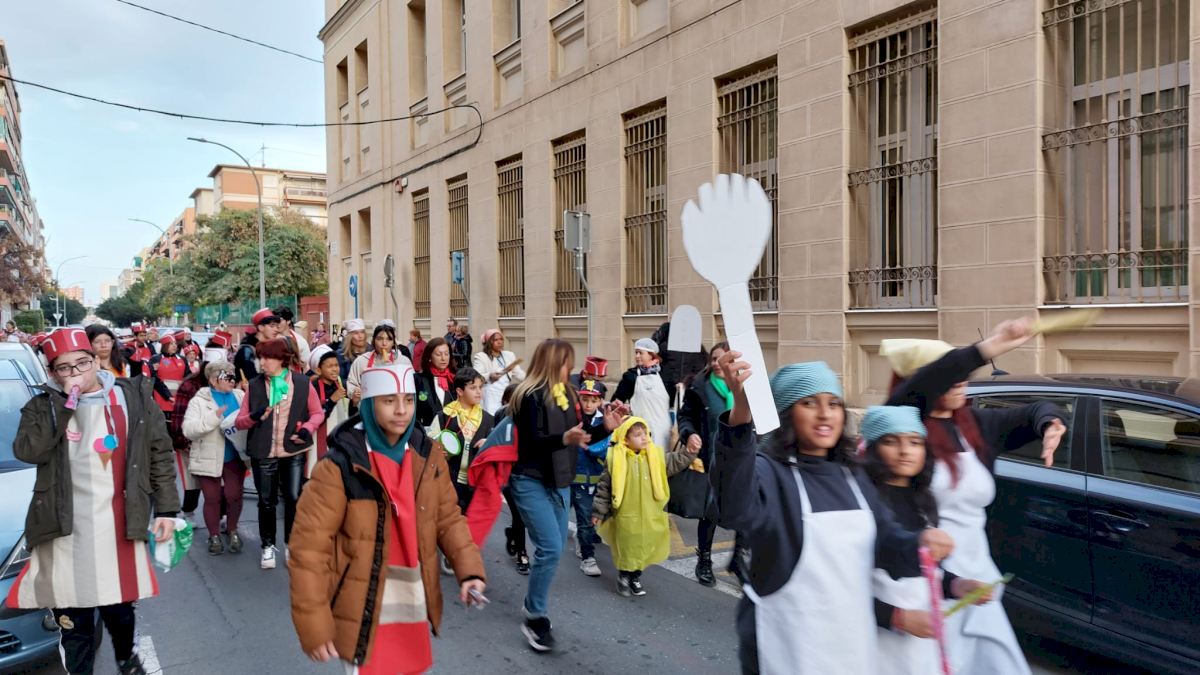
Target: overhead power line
column 224, row 120
column 219, row 31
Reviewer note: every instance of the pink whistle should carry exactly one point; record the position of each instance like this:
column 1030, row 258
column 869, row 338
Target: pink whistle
column 929, row 569
column 73, row 399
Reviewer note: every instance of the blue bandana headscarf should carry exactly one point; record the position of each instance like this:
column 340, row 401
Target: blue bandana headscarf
column 882, row 420
column 376, row 437
column 801, row 380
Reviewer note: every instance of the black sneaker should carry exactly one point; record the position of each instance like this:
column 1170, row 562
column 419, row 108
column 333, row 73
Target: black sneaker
column 510, row 544
column 131, row 667
column 623, row 586
column 635, row 585
column 537, row 632
column 523, row 564
column 704, row 570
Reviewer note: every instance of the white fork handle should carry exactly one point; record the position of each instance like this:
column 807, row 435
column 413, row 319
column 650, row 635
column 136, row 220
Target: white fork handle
column 739, row 327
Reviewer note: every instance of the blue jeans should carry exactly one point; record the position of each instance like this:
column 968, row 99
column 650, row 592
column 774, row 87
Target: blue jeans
column 581, row 500
column 544, row 510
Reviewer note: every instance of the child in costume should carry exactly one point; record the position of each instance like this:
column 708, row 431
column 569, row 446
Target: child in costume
column 464, row 425
column 588, row 470
column 368, row 528
column 902, row 471
column 628, row 509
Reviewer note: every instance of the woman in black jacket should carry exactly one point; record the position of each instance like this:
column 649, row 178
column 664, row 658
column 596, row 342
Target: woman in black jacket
column 435, row 382
column 549, row 434
column 705, row 401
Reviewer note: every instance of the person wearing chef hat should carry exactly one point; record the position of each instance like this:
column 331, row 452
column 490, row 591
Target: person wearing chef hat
column 92, row 436
column 965, row 441
column 379, row 618
column 647, row 391
column 354, row 345
column 331, row 392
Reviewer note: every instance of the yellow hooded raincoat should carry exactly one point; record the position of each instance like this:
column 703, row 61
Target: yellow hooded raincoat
column 638, row 531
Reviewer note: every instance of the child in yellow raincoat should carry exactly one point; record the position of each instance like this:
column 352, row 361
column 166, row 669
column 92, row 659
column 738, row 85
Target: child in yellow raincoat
column 628, row 509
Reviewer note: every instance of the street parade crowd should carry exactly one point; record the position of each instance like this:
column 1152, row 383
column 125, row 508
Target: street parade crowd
column 393, row 459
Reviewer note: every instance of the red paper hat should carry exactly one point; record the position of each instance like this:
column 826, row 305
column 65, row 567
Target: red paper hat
column 262, row 316
column 222, row 338
column 185, row 334
column 595, row 367
column 251, row 330
column 66, row 341
column 137, row 328
column 167, row 340
column 38, row 339
column 193, row 348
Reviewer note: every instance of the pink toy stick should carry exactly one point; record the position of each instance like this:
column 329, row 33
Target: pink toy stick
column 73, row 399
column 929, row 569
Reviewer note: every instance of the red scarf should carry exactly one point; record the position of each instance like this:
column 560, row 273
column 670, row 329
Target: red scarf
column 445, row 377
column 402, row 645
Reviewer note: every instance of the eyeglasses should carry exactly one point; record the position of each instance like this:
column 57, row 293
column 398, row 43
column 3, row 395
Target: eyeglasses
column 77, row 368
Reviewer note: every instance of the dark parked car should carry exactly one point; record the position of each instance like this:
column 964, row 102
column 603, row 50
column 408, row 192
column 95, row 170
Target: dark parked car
column 1105, row 545
column 27, row 637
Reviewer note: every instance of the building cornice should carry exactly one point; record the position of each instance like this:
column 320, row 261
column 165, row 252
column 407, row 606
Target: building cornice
column 338, row 17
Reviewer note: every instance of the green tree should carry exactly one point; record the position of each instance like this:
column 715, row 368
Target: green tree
column 73, row 311
column 122, row 310
column 31, row 321
column 25, row 267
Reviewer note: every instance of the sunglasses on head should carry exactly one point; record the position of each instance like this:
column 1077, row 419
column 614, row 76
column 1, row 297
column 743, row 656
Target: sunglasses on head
column 227, row 377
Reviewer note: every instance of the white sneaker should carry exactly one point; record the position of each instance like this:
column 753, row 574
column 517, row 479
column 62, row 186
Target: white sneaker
column 590, row 567
column 268, row 558
column 446, row 569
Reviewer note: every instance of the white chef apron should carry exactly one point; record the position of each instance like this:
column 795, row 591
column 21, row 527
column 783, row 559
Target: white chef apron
column 901, row 653
column 652, row 402
column 823, row 620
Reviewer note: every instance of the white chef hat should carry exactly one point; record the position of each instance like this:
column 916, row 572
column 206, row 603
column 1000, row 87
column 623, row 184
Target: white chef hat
column 215, row 355
column 646, row 345
column 388, row 380
column 318, row 355
column 355, row 324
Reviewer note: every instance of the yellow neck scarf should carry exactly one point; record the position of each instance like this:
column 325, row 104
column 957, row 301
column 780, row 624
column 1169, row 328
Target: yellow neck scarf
column 620, row 455
column 559, row 392
column 469, row 419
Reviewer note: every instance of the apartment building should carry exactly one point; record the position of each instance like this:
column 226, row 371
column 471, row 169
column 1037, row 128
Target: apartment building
column 234, row 187
column 171, row 242
column 18, row 210
column 933, row 167
column 74, row 293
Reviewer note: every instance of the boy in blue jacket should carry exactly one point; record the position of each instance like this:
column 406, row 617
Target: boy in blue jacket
column 588, row 470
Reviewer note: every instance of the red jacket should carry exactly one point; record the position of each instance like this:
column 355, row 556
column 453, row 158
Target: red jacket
column 488, row 474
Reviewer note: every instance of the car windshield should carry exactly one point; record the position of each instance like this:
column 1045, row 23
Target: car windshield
column 25, row 358
column 13, row 395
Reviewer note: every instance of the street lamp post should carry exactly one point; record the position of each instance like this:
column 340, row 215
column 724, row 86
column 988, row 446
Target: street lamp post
column 58, row 295
column 262, row 265
column 170, row 260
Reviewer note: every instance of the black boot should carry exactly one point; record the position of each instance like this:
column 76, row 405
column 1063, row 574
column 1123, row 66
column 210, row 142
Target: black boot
column 131, row 667
column 510, row 545
column 739, row 564
column 704, row 571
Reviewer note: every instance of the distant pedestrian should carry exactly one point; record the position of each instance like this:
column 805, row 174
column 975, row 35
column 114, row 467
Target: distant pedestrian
column 499, row 369
column 214, row 457
column 105, row 460
column 464, row 346
column 265, row 327
column 108, row 355
column 331, row 391
column 290, row 329
column 319, row 336
column 280, row 413
column 416, row 345
column 354, row 345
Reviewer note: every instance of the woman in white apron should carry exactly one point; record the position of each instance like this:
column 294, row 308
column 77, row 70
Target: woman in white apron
column 815, row 526
column 499, row 369
column 896, row 461
column 965, row 442
column 647, row 392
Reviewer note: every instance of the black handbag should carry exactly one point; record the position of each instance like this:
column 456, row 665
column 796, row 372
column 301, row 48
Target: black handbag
column 689, row 494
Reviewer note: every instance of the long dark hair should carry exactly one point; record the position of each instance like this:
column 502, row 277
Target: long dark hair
column 702, row 376
column 879, row 473
column 117, row 358
column 782, row 445
column 383, row 328
column 938, row 441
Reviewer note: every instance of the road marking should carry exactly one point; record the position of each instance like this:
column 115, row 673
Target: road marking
column 145, row 650
column 686, row 567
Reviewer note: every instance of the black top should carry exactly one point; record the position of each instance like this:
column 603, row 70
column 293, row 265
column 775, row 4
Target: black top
column 540, row 450
column 903, row 502
column 428, row 405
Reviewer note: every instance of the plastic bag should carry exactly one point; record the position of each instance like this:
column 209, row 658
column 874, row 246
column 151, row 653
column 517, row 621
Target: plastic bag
column 167, row 554
column 234, row 435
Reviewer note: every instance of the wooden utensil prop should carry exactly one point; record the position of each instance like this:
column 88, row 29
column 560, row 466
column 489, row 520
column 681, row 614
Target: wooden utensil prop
column 929, row 569
column 685, row 330
column 725, row 235
column 513, row 365
column 1067, row 320
column 973, row 596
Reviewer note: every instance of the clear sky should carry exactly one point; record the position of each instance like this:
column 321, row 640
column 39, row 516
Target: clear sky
column 93, row 167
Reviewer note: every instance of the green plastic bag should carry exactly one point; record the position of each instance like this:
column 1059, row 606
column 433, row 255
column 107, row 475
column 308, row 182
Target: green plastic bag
column 167, row 554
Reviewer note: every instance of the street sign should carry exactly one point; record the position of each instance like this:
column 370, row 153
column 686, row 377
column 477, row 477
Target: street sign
column 577, row 228
column 354, row 285
column 58, row 316
column 457, row 267
column 182, row 309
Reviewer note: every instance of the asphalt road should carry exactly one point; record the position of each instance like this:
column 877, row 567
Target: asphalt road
column 223, row 614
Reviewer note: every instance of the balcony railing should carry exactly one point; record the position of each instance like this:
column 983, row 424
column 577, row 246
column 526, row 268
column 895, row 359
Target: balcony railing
column 304, row 192
column 893, row 287
column 1117, row 277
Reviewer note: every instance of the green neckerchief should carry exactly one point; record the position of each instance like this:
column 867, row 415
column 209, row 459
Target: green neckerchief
column 376, row 437
column 277, row 386
column 718, row 383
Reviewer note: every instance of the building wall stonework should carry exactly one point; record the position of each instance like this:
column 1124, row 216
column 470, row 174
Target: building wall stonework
column 996, row 98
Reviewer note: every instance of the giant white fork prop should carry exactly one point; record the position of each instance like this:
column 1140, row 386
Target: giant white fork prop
column 725, row 236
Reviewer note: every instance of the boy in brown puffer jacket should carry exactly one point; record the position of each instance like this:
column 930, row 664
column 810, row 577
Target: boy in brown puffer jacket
column 382, row 479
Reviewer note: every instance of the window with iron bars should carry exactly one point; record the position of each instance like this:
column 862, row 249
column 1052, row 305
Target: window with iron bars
column 1117, row 229
column 511, row 237
column 646, row 210
column 456, row 189
column 893, row 182
column 421, row 253
column 747, row 129
column 570, row 189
